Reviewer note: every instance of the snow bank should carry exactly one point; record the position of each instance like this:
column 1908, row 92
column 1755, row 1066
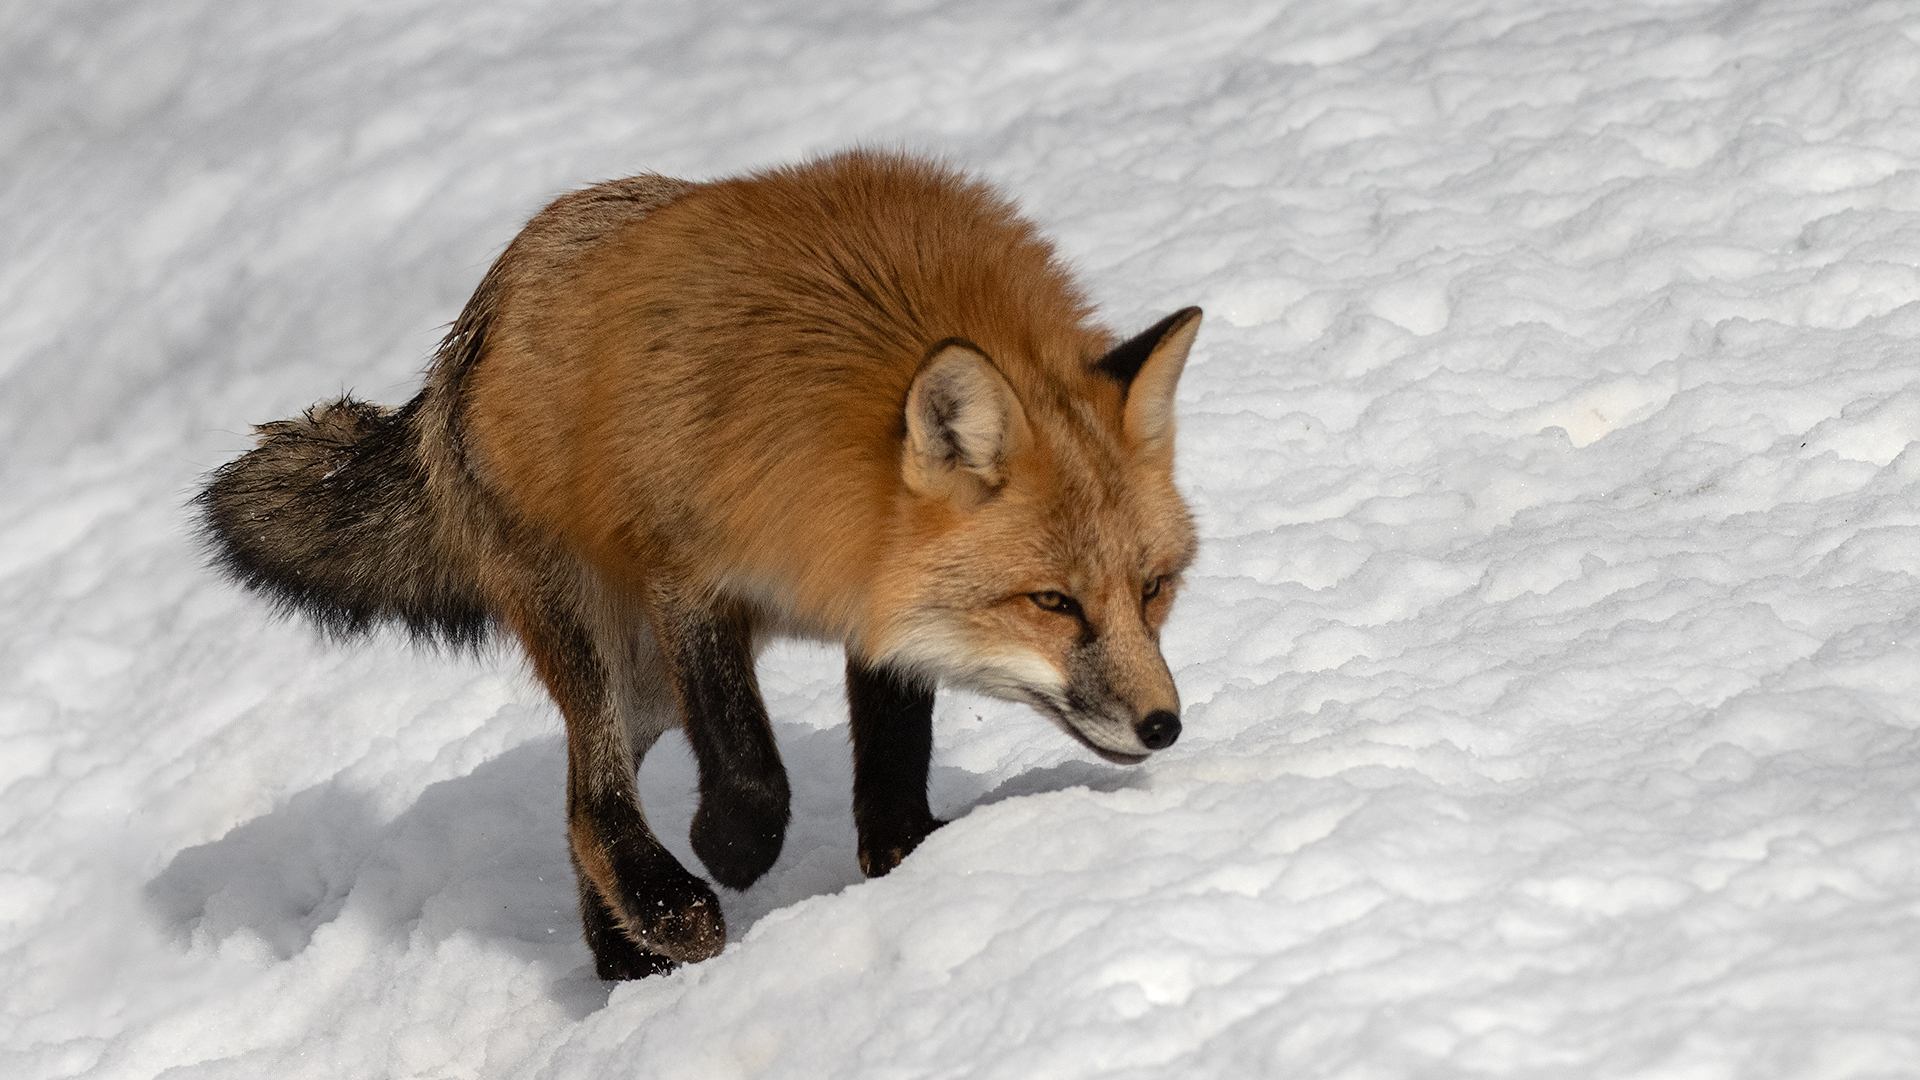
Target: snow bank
column 1552, row 666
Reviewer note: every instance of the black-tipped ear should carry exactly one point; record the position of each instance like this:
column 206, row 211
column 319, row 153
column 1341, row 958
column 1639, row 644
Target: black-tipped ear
column 1126, row 359
column 1147, row 368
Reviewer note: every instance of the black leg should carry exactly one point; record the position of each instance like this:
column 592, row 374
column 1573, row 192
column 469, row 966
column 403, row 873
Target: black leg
column 892, row 722
column 744, row 797
column 640, row 910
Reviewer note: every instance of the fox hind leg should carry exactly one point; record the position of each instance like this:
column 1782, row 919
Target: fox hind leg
column 891, row 717
column 641, row 911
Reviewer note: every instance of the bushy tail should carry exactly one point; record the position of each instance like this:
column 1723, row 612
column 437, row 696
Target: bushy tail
column 331, row 515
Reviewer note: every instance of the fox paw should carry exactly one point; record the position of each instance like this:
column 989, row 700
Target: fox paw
column 669, row 917
column 666, row 913
column 738, row 836
column 616, row 958
column 879, row 854
column 683, row 930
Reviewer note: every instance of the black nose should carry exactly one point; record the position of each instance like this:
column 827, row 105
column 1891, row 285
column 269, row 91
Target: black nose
column 1158, row 730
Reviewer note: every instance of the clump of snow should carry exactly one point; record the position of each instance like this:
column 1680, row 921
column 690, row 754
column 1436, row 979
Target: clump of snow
column 1552, row 665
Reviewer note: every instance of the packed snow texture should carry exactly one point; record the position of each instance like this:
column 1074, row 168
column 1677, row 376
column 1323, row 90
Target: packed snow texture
column 1551, row 666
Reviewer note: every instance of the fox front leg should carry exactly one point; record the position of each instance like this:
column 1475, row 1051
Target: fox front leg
column 744, row 797
column 891, row 716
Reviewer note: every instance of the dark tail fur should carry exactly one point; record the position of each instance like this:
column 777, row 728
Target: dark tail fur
column 331, row 515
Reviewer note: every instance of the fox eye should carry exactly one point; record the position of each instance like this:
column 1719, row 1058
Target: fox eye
column 1056, row 601
column 1152, row 588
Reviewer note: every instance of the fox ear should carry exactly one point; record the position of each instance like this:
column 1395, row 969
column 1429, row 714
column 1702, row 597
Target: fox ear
column 1147, row 367
column 963, row 424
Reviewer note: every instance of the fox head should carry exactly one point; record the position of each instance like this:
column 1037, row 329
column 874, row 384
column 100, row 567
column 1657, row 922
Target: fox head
column 1046, row 537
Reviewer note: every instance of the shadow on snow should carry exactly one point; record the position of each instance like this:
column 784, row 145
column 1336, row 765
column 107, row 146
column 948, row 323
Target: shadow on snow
column 485, row 855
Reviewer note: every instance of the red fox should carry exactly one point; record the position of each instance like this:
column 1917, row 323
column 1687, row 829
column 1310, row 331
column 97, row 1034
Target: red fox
column 857, row 400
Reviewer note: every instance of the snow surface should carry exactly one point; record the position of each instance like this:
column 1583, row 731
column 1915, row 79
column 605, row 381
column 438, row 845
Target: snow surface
column 1552, row 665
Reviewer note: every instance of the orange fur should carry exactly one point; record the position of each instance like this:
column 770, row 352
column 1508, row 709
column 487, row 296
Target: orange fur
column 858, row 400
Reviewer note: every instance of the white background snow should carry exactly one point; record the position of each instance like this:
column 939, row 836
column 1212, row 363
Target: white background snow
column 1552, row 665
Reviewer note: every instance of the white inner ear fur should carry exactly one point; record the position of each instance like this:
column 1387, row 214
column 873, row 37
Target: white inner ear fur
column 1149, row 417
column 963, row 421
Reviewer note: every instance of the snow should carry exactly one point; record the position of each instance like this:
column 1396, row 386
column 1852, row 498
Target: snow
column 1552, row 665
